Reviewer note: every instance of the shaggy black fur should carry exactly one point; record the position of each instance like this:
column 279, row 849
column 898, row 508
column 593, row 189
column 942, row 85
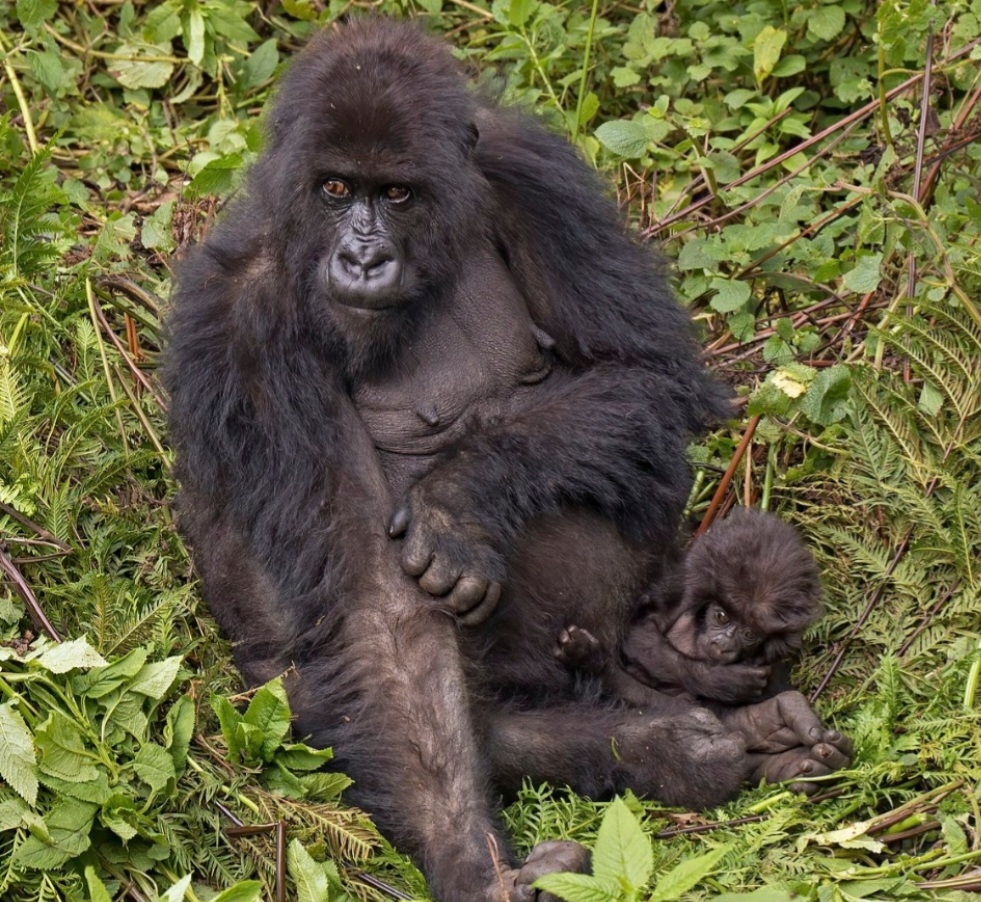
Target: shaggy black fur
column 430, row 403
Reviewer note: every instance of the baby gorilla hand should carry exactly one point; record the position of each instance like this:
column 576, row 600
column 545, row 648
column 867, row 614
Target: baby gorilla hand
column 729, row 683
column 448, row 551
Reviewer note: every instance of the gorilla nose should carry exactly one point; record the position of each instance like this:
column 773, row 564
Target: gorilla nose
column 368, row 262
column 365, row 274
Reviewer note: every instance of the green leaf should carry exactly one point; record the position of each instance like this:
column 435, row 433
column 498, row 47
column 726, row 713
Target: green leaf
column 62, row 752
column 766, row 51
column 519, row 11
column 34, row 13
column 176, row 892
column 144, row 67
column 309, row 876
column 74, row 655
column 269, row 711
column 99, row 683
column 579, row 888
column 624, row 77
column 228, row 719
column 154, row 766
column 95, row 790
column 217, row 176
column 97, row 889
column 153, row 680
column 826, row 22
column 865, row 275
column 194, row 36
column 244, row 891
column 301, row 757
column 68, row 826
column 18, row 763
column 12, row 814
column 826, row 401
column 178, row 731
column 325, row 787
column 156, row 232
column 622, row 851
column 624, row 137
column 261, row 63
column 730, row 295
column 686, row 875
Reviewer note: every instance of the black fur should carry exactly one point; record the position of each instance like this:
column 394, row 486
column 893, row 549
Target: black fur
column 507, row 429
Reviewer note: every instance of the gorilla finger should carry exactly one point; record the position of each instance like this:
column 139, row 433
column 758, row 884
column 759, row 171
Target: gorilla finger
column 441, row 575
column 400, row 520
column 799, row 717
column 417, row 554
column 839, row 740
column 551, row 857
column 829, row 756
column 475, row 613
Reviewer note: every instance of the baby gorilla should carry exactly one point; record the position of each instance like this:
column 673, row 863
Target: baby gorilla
column 737, row 604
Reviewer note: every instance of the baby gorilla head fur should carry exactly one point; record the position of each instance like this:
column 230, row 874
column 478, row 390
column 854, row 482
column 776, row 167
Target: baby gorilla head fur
column 749, row 588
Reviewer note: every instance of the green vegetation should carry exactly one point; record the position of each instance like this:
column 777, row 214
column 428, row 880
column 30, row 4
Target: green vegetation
column 814, row 170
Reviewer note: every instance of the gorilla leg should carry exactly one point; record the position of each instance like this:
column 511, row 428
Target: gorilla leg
column 678, row 754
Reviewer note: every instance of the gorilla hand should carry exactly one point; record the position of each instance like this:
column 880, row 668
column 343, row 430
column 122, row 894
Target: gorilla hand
column 448, row 550
column 786, row 740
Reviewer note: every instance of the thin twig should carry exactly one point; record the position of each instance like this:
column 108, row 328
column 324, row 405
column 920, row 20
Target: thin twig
column 720, row 492
column 34, row 608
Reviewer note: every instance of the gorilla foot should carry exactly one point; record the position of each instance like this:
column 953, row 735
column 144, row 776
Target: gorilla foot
column 549, row 857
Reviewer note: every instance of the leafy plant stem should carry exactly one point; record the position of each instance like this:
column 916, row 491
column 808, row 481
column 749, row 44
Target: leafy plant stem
column 971, row 686
column 594, row 11
column 90, row 296
column 25, row 109
column 231, row 793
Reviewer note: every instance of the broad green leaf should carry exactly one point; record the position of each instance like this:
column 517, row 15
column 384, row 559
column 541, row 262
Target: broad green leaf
column 68, row 826
column 866, row 274
column 826, row 401
column 154, row 766
column 74, row 655
column 62, row 752
column 217, row 176
column 194, row 35
column 261, row 63
column 244, row 891
column 826, row 22
column 155, row 679
column 269, row 710
column 298, row 756
column 324, row 787
column 18, row 763
column 228, row 719
column 686, row 875
column 624, row 77
column 580, row 888
column 95, row 790
column 142, row 66
column 766, row 51
column 178, row 731
column 519, row 11
column 624, row 137
column 730, row 295
column 101, row 682
column 622, row 851
column 34, row 13
column 12, row 813
column 156, row 230
column 97, row 889
column 176, row 892
column 308, row 876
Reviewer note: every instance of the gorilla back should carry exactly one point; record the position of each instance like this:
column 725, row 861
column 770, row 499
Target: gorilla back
column 430, row 404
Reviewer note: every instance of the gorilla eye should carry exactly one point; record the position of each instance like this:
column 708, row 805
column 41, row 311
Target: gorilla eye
column 721, row 617
column 397, row 194
column 336, row 188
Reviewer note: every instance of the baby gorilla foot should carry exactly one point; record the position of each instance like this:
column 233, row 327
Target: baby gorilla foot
column 579, row 648
column 546, row 858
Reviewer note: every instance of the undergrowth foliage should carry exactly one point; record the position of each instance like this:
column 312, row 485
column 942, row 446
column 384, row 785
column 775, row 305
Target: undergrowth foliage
column 813, row 171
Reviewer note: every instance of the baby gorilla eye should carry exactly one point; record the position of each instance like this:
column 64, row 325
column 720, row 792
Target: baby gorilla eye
column 336, row 188
column 721, row 617
column 397, row 194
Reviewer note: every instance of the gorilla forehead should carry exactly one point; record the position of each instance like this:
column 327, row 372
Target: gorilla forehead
column 377, row 88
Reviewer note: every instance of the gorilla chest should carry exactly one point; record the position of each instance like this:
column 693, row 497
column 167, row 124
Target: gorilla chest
column 477, row 360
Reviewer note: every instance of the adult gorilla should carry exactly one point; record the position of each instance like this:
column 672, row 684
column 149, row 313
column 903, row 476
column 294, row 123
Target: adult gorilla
column 430, row 405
